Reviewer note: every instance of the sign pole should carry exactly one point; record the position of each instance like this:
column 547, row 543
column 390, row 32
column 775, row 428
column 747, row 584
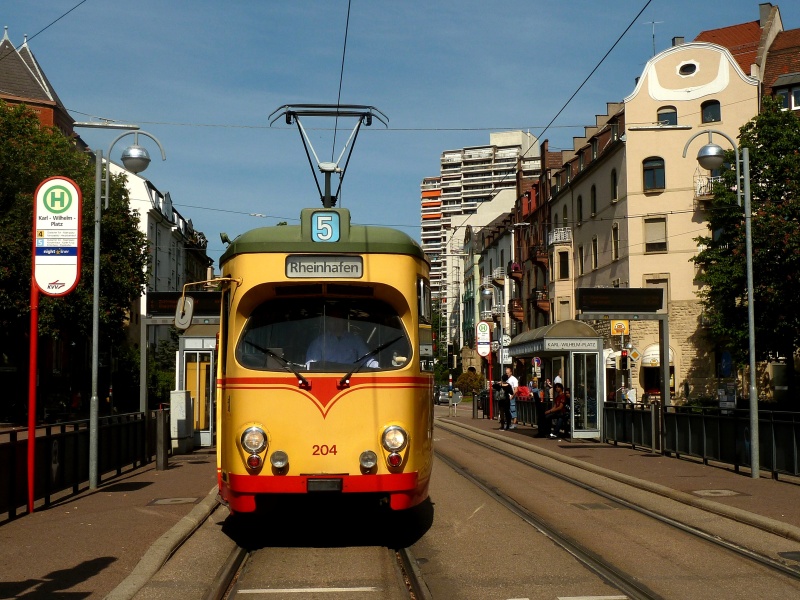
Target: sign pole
column 32, row 368
column 55, row 271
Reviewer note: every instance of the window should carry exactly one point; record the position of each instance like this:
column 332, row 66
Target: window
column 568, row 171
column 580, row 261
column 711, row 111
column 566, row 216
column 653, row 171
column 615, row 241
column 579, row 216
column 655, row 234
column 594, row 253
column 564, row 313
column 594, row 148
column 563, row 265
column 614, row 188
column 789, row 98
column 593, row 201
column 297, row 334
column 668, row 115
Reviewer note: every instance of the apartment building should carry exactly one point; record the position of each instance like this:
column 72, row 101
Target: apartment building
column 475, row 185
column 627, row 206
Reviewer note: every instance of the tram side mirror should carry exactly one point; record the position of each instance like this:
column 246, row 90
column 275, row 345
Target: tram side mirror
column 399, row 361
column 184, row 312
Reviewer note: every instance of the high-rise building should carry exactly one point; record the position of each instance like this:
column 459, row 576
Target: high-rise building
column 475, row 186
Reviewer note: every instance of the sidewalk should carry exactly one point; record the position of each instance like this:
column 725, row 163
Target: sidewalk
column 90, row 543
column 745, row 498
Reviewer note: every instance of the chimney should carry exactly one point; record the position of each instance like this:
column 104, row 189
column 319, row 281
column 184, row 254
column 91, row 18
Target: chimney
column 677, row 41
column 764, row 9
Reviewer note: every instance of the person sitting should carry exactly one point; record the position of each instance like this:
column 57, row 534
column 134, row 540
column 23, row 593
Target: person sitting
column 555, row 415
column 336, row 343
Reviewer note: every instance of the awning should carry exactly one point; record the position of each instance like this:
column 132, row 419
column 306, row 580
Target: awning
column 651, row 356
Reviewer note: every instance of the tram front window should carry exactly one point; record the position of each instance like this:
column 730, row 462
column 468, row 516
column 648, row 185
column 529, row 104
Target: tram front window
column 323, row 335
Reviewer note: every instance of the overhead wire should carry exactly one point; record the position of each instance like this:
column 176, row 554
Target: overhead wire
column 575, row 93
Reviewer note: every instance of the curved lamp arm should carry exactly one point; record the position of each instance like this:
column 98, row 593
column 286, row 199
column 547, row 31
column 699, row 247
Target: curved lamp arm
column 135, row 141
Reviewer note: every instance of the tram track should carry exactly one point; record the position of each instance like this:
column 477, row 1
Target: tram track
column 765, row 561
column 624, row 582
column 490, row 443
column 406, row 581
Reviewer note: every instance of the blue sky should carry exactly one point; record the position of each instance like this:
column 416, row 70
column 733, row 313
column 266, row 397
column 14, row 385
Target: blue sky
column 203, row 76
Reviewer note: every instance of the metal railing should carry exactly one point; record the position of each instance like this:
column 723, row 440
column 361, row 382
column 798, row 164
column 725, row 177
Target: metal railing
column 62, row 456
column 708, row 433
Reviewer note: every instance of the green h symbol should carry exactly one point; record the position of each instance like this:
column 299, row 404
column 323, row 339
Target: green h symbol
column 58, row 199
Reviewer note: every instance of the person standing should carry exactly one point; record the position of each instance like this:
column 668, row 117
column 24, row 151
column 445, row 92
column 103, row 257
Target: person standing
column 503, row 402
column 514, row 385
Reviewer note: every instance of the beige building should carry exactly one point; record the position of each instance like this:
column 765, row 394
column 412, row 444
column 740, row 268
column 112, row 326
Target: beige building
column 627, row 207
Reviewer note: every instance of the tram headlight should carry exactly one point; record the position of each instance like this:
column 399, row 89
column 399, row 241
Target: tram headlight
column 394, row 439
column 279, row 459
column 368, row 460
column 254, row 440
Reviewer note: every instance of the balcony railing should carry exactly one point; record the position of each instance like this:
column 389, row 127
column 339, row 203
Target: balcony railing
column 560, row 235
column 704, row 185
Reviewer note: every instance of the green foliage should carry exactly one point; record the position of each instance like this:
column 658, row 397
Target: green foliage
column 29, row 154
column 470, row 383
column 773, row 140
column 161, row 369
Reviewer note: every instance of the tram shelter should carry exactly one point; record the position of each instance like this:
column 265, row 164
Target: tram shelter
column 574, row 349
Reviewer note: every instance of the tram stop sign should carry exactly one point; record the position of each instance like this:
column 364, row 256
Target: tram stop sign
column 57, row 214
column 483, row 336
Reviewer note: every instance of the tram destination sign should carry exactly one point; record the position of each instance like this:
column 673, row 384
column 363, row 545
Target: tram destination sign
column 57, row 236
column 619, row 300
column 312, row 266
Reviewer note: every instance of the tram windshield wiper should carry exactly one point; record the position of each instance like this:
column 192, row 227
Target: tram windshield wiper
column 361, row 361
column 286, row 364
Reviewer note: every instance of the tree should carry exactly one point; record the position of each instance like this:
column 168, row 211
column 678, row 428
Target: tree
column 773, row 140
column 470, row 382
column 29, row 154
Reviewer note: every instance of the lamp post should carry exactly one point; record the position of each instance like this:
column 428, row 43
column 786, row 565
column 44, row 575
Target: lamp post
column 136, row 159
column 711, row 157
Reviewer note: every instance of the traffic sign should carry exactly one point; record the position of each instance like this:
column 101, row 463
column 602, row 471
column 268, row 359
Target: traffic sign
column 57, row 211
column 484, row 348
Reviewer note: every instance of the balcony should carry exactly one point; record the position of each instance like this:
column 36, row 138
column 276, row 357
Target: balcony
column 486, row 315
column 560, row 235
column 515, row 309
column 499, row 276
column 515, row 271
column 498, row 312
column 540, row 300
column 704, row 190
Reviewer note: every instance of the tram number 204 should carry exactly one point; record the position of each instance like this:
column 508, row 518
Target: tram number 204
column 323, row 449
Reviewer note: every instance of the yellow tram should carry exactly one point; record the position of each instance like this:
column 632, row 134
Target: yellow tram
column 324, row 380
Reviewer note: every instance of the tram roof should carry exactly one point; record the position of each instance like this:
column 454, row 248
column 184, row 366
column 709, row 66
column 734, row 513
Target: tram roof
column 358, row 239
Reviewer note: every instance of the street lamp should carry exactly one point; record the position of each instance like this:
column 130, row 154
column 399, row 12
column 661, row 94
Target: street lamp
column 711, row 157
column 135, row 158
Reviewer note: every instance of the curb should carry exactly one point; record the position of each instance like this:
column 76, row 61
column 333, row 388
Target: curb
column 780, row 528
column 158, row 554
